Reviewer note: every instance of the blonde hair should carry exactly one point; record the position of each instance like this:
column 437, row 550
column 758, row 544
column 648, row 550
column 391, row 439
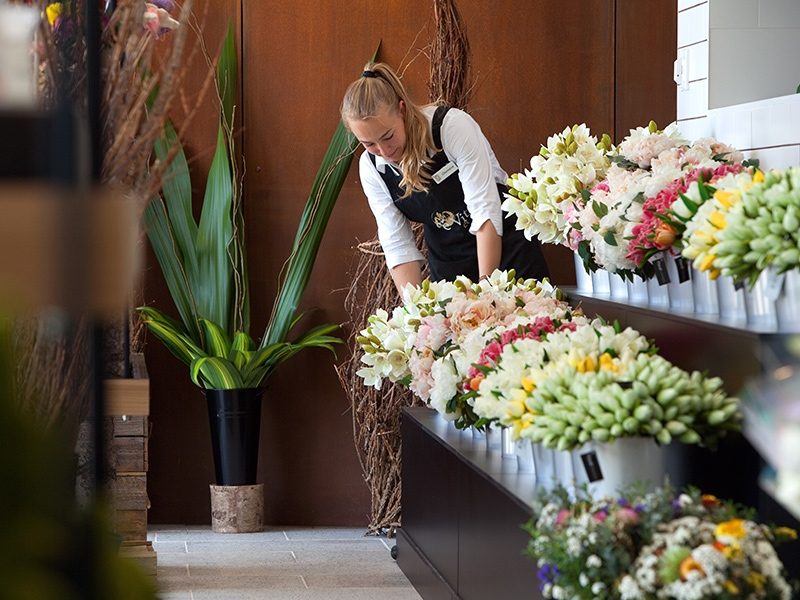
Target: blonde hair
column 381, row 87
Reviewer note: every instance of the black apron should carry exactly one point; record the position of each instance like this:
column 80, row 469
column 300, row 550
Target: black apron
column 452, row 249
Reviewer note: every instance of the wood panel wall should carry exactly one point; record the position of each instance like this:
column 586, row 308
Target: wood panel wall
column 539, row 67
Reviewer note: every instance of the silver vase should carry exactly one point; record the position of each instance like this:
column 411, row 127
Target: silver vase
column 761, row 311
column 731, row 301
column 583, row 279
column 681, row 295
column 704, row 293
column 788, row 303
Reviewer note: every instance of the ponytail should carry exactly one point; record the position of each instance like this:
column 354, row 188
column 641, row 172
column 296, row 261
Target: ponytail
column 379, row 87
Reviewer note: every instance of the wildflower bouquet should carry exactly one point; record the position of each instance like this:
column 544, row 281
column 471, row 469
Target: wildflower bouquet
column 544, row 197
column 642, row 546
column 595, row 382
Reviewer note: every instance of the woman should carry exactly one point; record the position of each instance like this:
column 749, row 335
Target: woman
column 432, row 165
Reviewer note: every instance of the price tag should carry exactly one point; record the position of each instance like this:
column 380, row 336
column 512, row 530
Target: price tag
column 661, row 271
column 684, row 270
column 591, row 464
column 738, row 285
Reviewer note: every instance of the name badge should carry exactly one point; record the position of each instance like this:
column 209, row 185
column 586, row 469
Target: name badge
column 445, row 172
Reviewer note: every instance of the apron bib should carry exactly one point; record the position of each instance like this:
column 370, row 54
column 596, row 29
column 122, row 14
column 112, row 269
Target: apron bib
column 452, row 249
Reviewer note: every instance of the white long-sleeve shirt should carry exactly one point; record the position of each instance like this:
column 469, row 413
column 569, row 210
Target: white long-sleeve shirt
column 465, row 145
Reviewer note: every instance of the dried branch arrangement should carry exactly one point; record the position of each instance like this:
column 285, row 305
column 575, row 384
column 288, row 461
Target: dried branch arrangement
column 51, row 353
column 451, row 61
column 376, row 413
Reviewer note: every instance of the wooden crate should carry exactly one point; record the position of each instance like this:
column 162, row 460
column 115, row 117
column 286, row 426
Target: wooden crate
column 127, row 405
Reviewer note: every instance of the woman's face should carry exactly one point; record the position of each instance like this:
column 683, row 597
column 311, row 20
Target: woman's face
column 384, row 134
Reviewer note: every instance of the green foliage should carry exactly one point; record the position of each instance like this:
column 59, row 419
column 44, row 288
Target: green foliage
column 204, row 264
column 52, row 548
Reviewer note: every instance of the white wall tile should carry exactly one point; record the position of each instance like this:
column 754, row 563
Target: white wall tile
column 684, row 4
column 779, row 13
column 776, row 158
column 733, row 126
column 693, row 25
column 737, row 14
column 694, row 101
column 751, row 64
column 693, row 129
column 698, row 61
column 776, row 125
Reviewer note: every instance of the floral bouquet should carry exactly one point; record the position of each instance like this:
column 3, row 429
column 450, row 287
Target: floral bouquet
column 643, row 546
column 762, row 230
column 545, row 197
column 666, row 209
column 702, row 209
column 431, row 342
column 614, row 206
column 595, row 382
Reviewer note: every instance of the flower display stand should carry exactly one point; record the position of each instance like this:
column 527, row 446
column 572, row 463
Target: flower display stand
column 463, row 505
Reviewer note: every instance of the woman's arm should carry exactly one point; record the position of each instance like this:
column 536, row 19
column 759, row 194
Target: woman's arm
column 404, row 273
column 490, row 247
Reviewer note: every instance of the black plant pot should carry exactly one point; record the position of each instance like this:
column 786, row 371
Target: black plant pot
column 235, row 420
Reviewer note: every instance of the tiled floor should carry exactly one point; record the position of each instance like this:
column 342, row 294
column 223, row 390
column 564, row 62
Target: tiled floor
column 277, row 564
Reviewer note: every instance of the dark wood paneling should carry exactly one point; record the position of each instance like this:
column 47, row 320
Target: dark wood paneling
column 539, row 66
column 646, row 46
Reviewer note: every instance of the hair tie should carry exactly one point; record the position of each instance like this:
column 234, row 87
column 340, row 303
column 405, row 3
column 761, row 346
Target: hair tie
column 369, row 73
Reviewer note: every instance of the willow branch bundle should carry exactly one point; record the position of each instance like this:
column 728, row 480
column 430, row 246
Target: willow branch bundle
column 376, row 413
column 451, row 61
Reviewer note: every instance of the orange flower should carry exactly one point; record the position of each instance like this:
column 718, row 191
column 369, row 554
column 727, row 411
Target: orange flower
column 664, row 235
column 688, row 565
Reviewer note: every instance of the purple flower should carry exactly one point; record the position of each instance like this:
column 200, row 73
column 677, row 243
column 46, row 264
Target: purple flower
column 547, row 574
column 167, row 5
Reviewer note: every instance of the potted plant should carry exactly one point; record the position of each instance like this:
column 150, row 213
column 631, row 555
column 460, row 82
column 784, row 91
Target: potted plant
column 205, row 268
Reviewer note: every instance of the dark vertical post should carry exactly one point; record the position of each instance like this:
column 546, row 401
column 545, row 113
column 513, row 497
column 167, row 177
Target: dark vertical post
column 94, row 90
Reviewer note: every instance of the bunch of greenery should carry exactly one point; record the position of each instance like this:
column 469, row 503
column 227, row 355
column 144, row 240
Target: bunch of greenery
column 53, row 548
column 205, row 267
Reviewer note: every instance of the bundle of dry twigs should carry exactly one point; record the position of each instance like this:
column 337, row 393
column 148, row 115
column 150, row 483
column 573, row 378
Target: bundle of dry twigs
column 52, row 352
column 451, row 61
column 376, row 413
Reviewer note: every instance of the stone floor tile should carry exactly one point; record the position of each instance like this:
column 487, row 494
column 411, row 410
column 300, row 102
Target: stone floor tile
column 326, row 533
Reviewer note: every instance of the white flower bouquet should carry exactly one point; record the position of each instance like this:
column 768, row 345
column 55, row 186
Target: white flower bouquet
column 431, row 342
column 762, row 230
column 542, row 197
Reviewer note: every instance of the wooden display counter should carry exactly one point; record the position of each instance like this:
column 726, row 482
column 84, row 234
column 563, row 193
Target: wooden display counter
column 463, row 505
column 463, row 508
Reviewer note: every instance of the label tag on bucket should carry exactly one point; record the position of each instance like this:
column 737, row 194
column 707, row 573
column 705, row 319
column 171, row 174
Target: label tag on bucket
column 684, row 273
column 738, row 285
column 661, row 271
column 591, row 465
